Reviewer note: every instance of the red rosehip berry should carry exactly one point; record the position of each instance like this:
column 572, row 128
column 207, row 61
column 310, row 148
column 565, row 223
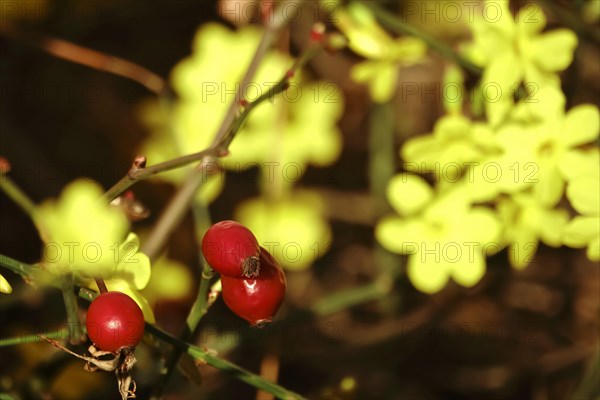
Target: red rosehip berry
column 114, row 320
column 231, row 249
column 256, row 299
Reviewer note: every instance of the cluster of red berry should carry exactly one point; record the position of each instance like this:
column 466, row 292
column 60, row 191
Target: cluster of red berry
column 253, row 282
column 253, row 288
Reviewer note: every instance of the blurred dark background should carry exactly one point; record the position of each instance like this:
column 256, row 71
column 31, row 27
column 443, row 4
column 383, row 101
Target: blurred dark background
column 517, row 335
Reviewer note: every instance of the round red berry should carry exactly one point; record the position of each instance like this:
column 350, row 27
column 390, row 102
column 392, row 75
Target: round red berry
column 256, row 299
column 114, row 320
column 231, row 249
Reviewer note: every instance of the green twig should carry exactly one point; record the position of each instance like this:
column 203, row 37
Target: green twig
column 179, row 204
column 382, row 162
column 199, row 307
column 61, row 334
column 18, row 267
column 240, row 373
column 194, row 351
column 572, row 21
column 588, row 387
column 197, row 311
column 17, row 195
column 136, row 174
column 67, row 288
column 348, row 298
column 397, row 25
column 90, row 58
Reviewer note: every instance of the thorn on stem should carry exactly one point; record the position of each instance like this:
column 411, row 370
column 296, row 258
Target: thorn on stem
column 4, row 165
column 139, row 162
column 317, row 32
column 101, row 285
column 266, row 10
column 223, row 152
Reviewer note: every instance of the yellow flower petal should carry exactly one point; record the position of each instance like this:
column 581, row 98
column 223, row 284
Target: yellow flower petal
column 401, row 236
column 171, row 280
column 552, row 225
column 120, row 285
column 469, row 270
column 582, row 125
column 584, row 195
column 576, row 163
column 581, row 231
column 293, row 230
column 428, row 277
column 522, row 249
column 550, row 187
column 593, row 251
column 408, row 193
column 553, row 51
column 4, row 285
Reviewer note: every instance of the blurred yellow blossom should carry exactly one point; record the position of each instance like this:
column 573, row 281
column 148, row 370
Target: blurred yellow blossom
column 513, row 49
column 583, row 191
column 444, row 235
column 84, row 235
column 4, row 285
column 526, row 222
column 293, row 229
column 384, row 54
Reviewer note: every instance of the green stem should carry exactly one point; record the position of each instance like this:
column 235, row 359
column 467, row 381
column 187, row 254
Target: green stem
column 67, row 287
column 199, row 308
column 176, row 209
column 342, row 300
column 196, row 352
column 138, row 174
column 214, row 361
column 90, row 58
column 397, row 25
column 588, row 387
column 18, row 267
column 382, row 162
column 58, row 335
column 17, row 195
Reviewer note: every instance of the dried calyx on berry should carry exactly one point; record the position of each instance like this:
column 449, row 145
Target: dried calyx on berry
column 256, row 299
column 232, row 250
